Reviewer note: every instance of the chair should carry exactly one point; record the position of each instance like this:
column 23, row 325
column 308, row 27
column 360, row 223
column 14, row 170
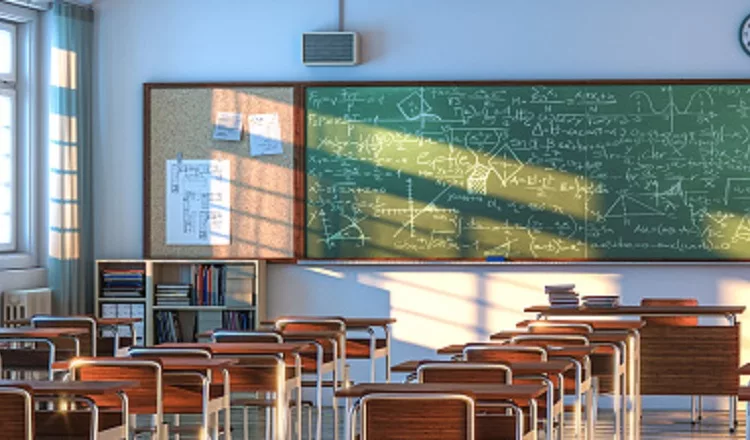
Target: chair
column 147, row 398
column 66, row 347
column 414, row 417
column 264, row 373
column 20, row 421
column 331, row 355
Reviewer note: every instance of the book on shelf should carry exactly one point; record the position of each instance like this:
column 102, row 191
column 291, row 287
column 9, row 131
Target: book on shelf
column 237, row 320
column 126, row 283
column 124, row 293
column 209, row 282
column 173, row 294
column 168, row 328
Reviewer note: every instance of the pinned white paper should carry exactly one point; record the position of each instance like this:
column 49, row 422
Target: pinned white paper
column 198, row 202
column 228, row 126
column 265, row 134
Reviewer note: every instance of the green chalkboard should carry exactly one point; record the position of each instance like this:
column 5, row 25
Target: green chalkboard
column 550, row 172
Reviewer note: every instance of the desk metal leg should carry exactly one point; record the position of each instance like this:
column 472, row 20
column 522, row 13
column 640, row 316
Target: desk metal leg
column 227, row 404
column 561, row 426
column 373, row 347
column 732, row 399
column 387, row 330
column 534, row 412
column 298, row 395
column 336, row 363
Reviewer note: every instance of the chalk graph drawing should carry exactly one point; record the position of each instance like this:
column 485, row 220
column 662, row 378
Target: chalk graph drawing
column 546, row 171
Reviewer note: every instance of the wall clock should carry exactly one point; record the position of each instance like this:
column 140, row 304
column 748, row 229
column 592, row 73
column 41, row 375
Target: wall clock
column 745, row 35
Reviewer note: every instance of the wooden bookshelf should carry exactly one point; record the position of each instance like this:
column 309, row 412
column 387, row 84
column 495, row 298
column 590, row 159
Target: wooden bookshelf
column 237, row 287
column 127, row 301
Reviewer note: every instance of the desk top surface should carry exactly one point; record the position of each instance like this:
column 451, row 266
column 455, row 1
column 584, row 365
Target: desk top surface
column 168, row 363
column 82, row 387
column 99, row 321
column 606, row 337
column 41, row 332
column 638, row 311
column 478, row 391
column 596, row 324
column 519, row 368
column 243, row 348
column 578, row 352
column 744, row 370
column 352, row 323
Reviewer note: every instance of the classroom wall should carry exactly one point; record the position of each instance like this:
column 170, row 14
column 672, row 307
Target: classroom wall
column 247, row 40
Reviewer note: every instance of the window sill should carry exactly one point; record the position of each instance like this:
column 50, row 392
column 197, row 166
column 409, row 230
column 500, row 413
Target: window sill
column 17, row 261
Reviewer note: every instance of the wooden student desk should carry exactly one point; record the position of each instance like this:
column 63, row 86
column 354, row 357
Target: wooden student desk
column 361, row 348
column 31, row 359
column 694, row 361
column 205, row 368
column 524, row 397
column 289, row 350
column 80, row 389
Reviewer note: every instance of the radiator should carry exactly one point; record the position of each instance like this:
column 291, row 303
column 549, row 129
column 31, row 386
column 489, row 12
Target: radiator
column 25, row 303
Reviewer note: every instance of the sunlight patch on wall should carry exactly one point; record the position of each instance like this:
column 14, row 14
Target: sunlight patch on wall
column 429, row 316
column 735, row 291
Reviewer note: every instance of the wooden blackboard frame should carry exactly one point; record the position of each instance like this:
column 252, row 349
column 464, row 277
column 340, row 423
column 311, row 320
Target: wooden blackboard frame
column 298, row 157
column 303, row 86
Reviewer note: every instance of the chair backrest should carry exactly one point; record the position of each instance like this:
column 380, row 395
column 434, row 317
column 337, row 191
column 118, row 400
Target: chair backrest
column 545, row 340
column 464, row 372
column 156, row 352
column 246, row 336
column 258, row 373
column 87, row 342
column 417, row 417
column 147, row 398
column 504, row 353
column 16, row 413
column 670, row 321
column 309, row 324
column 559, row 328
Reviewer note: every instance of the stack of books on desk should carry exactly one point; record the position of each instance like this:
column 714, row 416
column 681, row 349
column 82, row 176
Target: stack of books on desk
column 173, row 294
column 562, row 295
column 601, row 301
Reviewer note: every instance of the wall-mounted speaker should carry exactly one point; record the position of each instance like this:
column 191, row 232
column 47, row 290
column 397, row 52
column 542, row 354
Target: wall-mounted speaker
column 330, row 48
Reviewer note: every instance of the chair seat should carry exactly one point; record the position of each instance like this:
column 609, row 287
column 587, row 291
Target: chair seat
column 744, row 394
column 72, row 425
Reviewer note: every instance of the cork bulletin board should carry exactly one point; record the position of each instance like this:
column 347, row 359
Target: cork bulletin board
column 265, row 216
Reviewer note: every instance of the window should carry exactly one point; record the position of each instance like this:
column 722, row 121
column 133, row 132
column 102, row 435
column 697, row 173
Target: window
column 8, row 136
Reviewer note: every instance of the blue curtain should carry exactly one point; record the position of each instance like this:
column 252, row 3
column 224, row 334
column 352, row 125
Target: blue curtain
column 70, row 259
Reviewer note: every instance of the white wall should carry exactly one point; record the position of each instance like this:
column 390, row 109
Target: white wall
column 247, row 40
